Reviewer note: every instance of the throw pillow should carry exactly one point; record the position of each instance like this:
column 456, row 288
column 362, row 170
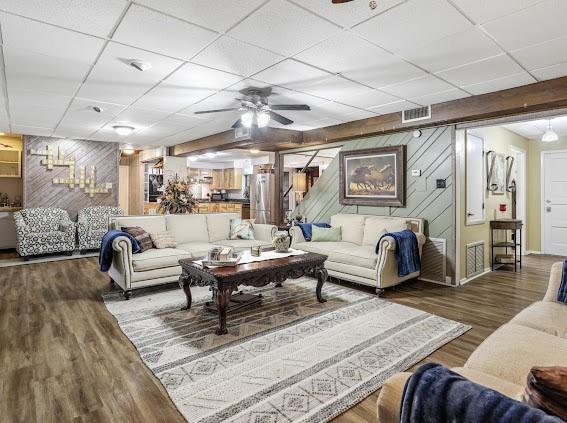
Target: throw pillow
column 332, row 234
column 306, row 229
column 546, row 389
column 163, row 239
column 241, row 229
column 140, row 235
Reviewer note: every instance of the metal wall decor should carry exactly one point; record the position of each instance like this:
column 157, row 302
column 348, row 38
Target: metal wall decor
column 87, row 184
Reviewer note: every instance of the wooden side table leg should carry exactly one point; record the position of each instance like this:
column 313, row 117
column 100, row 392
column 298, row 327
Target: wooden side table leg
column 322, row 275
column 222, row 298
column 185, row 283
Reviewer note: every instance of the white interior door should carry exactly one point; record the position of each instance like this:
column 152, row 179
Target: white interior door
column 474, row 175
column 519, row 175
column 554, row 196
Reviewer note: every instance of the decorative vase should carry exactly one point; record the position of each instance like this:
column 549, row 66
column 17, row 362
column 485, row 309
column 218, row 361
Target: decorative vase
column 281, row 242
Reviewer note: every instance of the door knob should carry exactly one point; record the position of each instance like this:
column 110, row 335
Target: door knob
column 548, row 209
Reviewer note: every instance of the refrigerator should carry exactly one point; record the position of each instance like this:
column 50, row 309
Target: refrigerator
column 262, row 197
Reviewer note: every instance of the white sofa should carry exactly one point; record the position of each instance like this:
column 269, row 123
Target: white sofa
column 195, row 235
column 354, row 258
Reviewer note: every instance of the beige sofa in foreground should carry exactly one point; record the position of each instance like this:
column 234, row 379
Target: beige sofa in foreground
column 537, row 336
column 354, row 258
column 195, row 235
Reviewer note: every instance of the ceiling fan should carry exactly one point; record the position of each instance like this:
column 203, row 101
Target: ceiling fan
column 255, row 109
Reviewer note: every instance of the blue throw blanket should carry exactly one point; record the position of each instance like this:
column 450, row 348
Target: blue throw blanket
column 436, row 394
column 307, row 229
column 407, row 251
column 562, row 293
column 105, row 255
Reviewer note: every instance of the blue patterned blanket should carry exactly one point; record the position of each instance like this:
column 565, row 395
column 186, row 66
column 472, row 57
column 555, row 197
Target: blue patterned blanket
column 105, row 255
column 407, row 251
column 562, row 293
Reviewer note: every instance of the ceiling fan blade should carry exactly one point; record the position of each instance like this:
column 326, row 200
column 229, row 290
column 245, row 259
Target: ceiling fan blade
column 200, row 112
column 281, row 119
column 289, row 107
column 237, row 124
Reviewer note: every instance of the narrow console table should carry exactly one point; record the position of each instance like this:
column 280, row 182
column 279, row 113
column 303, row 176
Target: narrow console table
column 515, row 226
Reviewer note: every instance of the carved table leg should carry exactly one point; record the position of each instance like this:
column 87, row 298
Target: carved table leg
column 222, row 298
column 185, row 283
column 321, row 279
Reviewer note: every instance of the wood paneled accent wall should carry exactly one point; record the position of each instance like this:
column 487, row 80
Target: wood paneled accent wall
column 432, row 153
column 39, row 190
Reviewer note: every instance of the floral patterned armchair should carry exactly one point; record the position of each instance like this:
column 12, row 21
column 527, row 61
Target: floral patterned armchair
column 92, row 224
column 44, row 230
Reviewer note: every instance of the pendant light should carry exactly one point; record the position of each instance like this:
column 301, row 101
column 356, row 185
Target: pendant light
column 550, row 135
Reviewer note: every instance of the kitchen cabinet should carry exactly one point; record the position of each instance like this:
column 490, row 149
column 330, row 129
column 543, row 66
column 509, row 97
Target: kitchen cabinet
column 230, row 178
column 10, row 163
column 227, row 207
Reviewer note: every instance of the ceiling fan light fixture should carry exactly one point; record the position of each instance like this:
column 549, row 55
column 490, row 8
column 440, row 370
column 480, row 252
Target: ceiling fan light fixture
column 550, row 135
column 246, row 118
column 123, row 131
column 263, row 118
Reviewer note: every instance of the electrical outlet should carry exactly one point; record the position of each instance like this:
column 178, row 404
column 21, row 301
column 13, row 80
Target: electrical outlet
column 441, row 183
column 416, row 172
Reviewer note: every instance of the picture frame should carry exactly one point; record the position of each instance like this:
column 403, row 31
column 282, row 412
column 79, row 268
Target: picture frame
column 373, row 177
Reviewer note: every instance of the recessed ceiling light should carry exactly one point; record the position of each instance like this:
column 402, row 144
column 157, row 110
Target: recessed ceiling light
column 140, row 65
column 254, row 151
column 123, row 131
column 98, row 109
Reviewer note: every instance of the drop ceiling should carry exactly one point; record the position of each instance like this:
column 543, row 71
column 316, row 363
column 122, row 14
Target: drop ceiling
column 535, row 129
column 346, row 61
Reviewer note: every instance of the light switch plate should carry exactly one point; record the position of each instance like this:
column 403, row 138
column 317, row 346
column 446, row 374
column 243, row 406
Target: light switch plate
column 416, row 172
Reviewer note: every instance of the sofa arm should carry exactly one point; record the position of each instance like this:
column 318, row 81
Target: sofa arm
column 296, row 235
column 264, row 232
column 121, row 269
column 554, row 282
column 390, row 398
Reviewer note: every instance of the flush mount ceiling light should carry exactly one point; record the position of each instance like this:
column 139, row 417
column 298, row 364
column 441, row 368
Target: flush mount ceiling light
column 123, row 131
column 192, row 158
column 140, row 65
column 550, row 135
column 128, row 150
column 210, row 155
column 254, row 151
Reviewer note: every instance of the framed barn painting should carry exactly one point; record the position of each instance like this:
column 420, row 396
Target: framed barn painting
column 373, row 177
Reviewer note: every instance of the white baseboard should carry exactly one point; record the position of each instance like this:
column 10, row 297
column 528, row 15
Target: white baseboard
column 466, row 280
column 528, row 252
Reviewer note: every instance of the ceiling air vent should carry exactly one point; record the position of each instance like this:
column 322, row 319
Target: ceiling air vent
column 242, row 133
column 414, row 115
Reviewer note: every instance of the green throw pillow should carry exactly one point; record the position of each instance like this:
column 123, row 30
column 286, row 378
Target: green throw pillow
column 326, row 234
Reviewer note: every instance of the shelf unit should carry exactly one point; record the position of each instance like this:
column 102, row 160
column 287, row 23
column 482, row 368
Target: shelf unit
column 10, row 163
column 515, row 259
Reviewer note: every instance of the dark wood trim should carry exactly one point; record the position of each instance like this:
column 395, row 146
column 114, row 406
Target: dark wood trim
column 279, row 172
column 400, row 171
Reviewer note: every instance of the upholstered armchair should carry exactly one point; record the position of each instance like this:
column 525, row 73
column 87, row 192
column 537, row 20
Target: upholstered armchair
column 44, row 230
column 92, row 224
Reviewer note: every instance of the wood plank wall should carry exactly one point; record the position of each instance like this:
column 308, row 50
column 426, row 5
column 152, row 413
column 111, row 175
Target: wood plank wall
column 39, row 189
column 432, row 153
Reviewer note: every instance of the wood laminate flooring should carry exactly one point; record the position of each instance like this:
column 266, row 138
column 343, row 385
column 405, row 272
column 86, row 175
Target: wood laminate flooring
column 63, row 357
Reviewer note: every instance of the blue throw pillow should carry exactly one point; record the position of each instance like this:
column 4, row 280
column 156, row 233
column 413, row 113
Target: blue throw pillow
column 307, row 228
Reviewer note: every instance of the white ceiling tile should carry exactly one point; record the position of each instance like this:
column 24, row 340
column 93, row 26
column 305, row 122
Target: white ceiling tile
column 291, row 72
column 162, row 34
column 510, row 81
column 419, row 87
column 34, row 115
column 33, row 71
column 344, row 52
column 81, row 112
column 31, row 130
column 541, row 22
column 347, row 14
column 543, row 55
column 484, row 70
column 283, row 27
column 220, row 100
column 413, row 23
column 525, row 129
column 481, row 11
column 230, row 55
column 551, row 72
column 69, row 131
column 138, row 118
column 455, row 50
column 195, row 76
column 172, row 98
column 441, row 97
column 393, row 107
column 114, row 81
column 219, row 15
column 371, row 98
column 334, row 88
column 390, row 70
column 96, row 17
column 24, row 34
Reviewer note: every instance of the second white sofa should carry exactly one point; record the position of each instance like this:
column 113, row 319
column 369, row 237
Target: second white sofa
column 195, row 235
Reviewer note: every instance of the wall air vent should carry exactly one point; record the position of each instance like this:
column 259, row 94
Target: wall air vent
column 242, row 133
column 417, row 114
column 434, row 261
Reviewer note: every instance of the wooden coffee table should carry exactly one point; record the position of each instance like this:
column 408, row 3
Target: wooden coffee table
column 226, row 280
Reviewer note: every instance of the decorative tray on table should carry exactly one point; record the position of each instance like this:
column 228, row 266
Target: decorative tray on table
column 221, row 258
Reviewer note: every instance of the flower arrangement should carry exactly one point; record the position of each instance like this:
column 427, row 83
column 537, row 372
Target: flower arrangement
column 176, row 197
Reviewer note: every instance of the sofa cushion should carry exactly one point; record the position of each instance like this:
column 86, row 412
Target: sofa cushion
column 158, row 258
column 352, row 226
column 544, row 316
column 505, row 387
column 149, row 223
column 188, row 227
column 512, row 350
column 375, row 227
column 343, row 252
column 218, row 225
column 197, row 249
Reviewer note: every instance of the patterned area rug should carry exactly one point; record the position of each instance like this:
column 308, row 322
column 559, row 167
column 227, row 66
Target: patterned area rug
column 290, row 359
